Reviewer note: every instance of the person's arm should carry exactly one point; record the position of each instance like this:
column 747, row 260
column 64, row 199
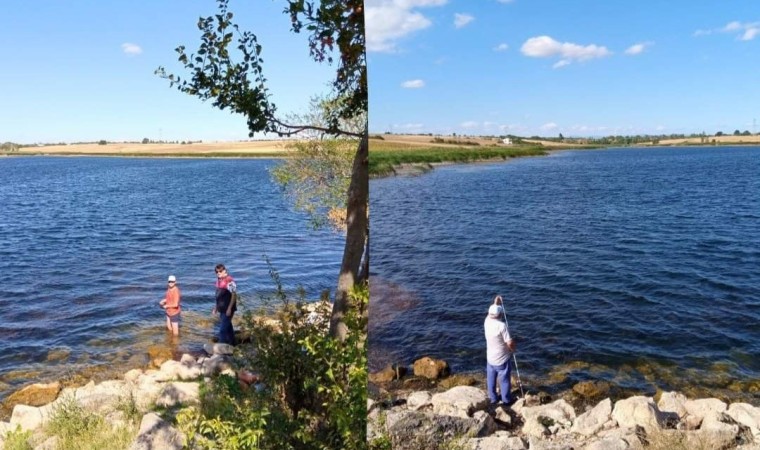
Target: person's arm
column 233, row 300
column 511, row 344
column 232, row 287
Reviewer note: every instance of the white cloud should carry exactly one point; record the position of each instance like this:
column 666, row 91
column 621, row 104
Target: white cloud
column 637, row 49
column 409, row 126
column 743, row 31
column 750, row 34
column 732, row 26
column 388, row 21
column 462, row 20
column 546, row 47
column 505, row 1
column 469, row 124
column 501, row 48
column 549, row 126
column 413, row 84
column 131, row 49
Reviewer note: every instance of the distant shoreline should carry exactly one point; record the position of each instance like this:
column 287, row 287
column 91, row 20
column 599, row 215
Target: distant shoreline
column 248, row 149
column 418, row 161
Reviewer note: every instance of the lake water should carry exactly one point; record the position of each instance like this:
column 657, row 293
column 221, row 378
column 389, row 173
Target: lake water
column 86, row 245
column 636, row 266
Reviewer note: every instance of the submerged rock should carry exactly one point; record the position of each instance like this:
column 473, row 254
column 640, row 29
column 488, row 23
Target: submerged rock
column 431, row 368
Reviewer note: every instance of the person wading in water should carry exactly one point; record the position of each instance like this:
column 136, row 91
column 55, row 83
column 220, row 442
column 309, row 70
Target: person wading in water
column 226, row 304
column 170, row 303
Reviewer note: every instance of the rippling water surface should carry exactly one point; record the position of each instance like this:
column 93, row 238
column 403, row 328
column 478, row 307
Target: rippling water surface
column 86, row 245
column 639, row 266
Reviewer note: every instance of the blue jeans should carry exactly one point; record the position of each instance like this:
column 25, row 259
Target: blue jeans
column 226, row 333
column 501, row 373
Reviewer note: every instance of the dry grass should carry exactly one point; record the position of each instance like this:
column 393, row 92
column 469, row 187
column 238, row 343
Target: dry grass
column 253, row 148
column 725, row 140
column 408, row 141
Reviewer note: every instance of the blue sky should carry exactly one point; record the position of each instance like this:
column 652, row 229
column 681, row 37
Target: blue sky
column 83, row 70
column 581, row 68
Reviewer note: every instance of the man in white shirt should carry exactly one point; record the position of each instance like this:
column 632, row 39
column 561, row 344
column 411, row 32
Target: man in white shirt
column 499, row 348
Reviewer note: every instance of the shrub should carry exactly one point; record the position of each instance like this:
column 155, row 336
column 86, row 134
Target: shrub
column 17, row 440
column 77, row 428
column 315, row 386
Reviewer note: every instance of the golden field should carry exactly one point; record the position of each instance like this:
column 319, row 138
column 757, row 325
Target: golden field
column 724, row 140
column 246, row 148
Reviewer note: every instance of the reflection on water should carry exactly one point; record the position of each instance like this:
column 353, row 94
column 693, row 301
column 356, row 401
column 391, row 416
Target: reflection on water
column 642, row 263
column 86, row 245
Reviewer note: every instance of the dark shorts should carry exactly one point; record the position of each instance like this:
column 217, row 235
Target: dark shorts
column 174, row 318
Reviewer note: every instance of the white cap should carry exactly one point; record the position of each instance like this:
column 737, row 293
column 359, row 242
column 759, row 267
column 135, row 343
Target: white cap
column 172, row 278
column 495, row 310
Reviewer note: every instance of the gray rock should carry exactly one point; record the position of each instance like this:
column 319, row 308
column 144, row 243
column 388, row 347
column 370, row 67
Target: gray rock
column 747, row 415
column 608, row 443
column 497, row 443
column 418, row 400
column 215, row 365
column 673, row 402
column 538, row 419
column 460, row 401
column 487, row 424
column 178, row 393
column 218, row 349
column 703, row 407
column 132, row 375
column 592, row 421
column 412, row 430
column 637, row 411
column 502, row 416
column 28, row 417
column 157, row 434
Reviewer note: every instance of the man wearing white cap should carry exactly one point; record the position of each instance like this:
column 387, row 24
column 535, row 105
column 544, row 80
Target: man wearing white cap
column 170, row 303
column 499, row 348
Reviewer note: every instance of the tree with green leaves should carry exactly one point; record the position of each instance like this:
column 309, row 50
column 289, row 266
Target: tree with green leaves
column 227, row 69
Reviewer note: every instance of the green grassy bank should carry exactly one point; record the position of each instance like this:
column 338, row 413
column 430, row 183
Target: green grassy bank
column 384, row 159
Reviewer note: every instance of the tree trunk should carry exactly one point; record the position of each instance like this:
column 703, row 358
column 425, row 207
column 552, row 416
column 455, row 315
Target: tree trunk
column 357, row 226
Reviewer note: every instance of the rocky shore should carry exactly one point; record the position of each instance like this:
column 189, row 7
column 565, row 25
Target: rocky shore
column 458, row 415
column 144, row 392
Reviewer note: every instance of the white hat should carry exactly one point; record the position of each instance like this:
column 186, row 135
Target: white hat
column 172, row 278
column 495, row 310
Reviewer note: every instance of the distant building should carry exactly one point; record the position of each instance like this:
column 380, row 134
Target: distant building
column 506, row 141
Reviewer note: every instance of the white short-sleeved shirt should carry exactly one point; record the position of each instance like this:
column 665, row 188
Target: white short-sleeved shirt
column 496, row 336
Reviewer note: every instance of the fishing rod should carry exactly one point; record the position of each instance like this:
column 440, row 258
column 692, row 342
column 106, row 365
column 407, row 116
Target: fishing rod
column 500, row 300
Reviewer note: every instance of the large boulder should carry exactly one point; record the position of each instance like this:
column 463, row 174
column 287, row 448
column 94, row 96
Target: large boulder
column 389, row 373
column 178, row 393
column 37, row 394
column 719, row 429
column 413, row 430
column 747, row 415
column 703, row 407
column 539, row 419
column 460, row 401
column 431, row 368
column 497, row 442
column 102, row 397
column 592, row 421
column 218, row 349
column 157, row 434
column 673, row 402
column 637, row 411
column 28, row 417
column 418, row 400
